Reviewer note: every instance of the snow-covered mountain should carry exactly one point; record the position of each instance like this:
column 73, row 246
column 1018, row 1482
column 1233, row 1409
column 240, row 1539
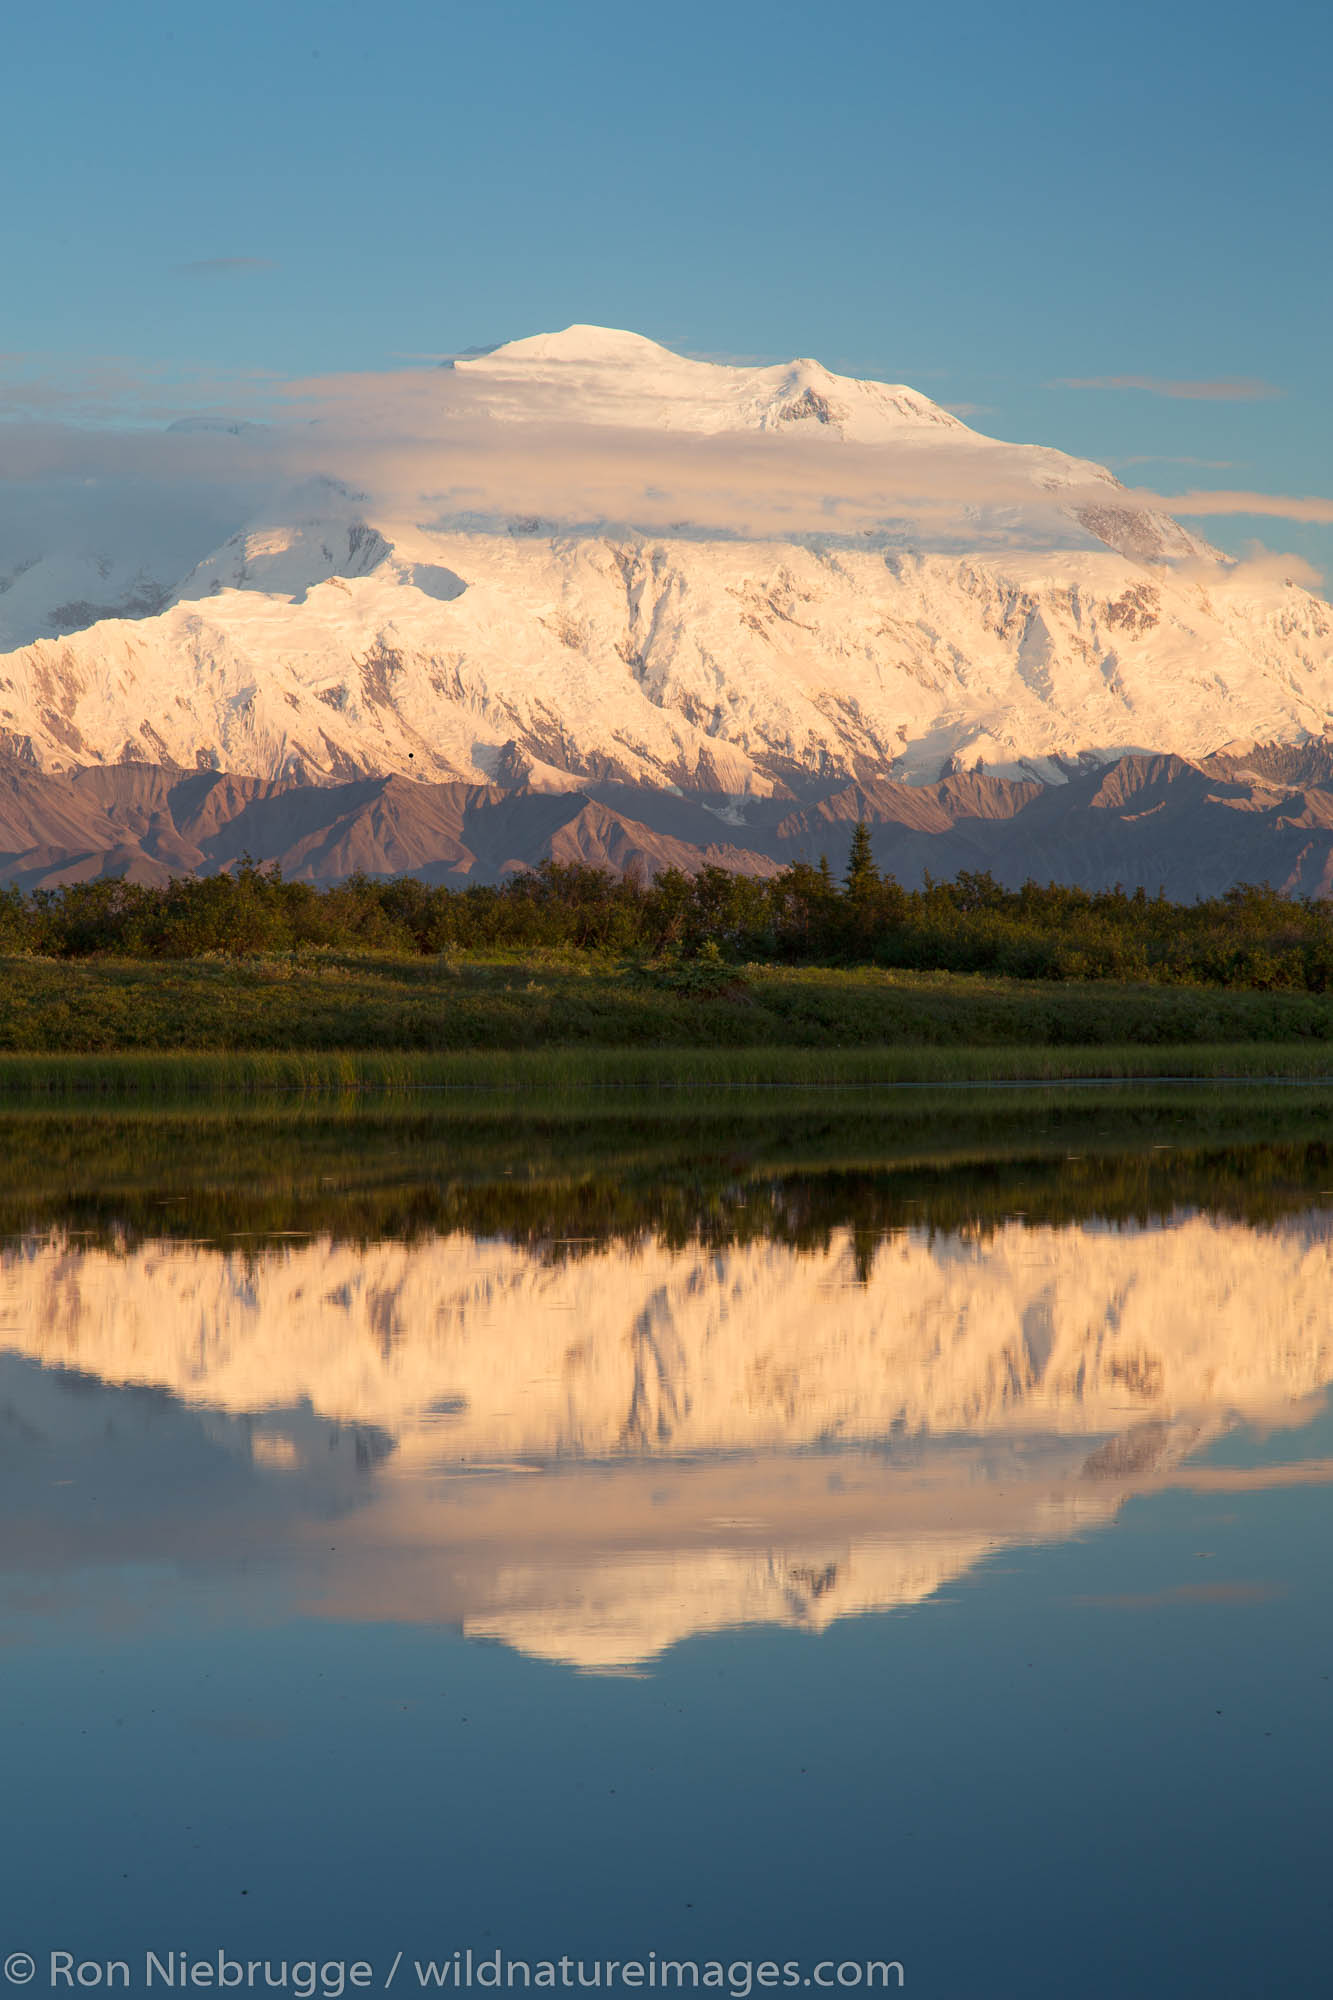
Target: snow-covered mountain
column 583, row 558
column 67, row 593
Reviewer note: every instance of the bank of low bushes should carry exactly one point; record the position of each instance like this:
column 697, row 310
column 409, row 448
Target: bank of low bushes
column 362, row 1002
column 1251, row 939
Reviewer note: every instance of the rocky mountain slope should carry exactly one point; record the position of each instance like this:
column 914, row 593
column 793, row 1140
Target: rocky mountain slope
column 1151, row 822
column 589, row 560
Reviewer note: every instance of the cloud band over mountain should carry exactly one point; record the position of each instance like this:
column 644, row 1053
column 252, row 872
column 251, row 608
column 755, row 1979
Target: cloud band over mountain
column 1227, row 389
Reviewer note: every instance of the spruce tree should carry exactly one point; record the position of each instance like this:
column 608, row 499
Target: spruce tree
column 862, row 877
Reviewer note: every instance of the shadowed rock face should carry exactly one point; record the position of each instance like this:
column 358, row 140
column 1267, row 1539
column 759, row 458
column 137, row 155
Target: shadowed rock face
column 1191, row 829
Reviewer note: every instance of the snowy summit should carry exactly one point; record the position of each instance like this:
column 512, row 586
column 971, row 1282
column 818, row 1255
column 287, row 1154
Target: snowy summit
column 580, row 557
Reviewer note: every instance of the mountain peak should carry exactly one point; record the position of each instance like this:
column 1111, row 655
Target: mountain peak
column 603, row 374
column 578, row 343
column 733, row 578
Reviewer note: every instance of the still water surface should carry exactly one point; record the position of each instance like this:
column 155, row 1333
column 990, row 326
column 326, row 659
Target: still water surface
column 728, row 1558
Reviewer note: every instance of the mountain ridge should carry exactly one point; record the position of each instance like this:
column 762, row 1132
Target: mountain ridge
column 1159, row 823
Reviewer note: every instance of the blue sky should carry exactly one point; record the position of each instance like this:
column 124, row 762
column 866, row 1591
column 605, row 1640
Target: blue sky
column 986, row 202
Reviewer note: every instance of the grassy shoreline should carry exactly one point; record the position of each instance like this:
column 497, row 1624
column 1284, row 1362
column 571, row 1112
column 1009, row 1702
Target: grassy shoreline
column 362, row 1019
column 172, row 1074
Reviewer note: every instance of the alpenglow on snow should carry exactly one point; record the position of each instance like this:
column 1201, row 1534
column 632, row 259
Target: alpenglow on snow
column 581, row 557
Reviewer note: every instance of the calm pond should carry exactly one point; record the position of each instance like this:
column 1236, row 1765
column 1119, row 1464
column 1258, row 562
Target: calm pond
column 786, row 1539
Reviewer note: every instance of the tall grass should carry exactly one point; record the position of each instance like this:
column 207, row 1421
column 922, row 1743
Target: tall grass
column 185, row 1074
column 436, row 1008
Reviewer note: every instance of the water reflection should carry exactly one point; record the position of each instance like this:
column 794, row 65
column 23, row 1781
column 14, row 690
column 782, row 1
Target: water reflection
column 589, row 1450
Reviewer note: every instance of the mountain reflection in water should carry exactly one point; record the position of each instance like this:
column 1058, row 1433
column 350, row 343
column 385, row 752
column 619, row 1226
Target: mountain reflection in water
column 590, row 1450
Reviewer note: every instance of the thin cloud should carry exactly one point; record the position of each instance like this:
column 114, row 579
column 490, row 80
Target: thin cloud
column 1278, row 506
column 1227, row 389
column 225, row 267
column 457, row 447
column 123, row 394
column 1260, row 565
column 1169, row 458
column 403, row 430
column 722, row 357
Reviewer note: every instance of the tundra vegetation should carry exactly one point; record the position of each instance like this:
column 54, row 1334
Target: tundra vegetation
column 1250, row 939
column 873, row 981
